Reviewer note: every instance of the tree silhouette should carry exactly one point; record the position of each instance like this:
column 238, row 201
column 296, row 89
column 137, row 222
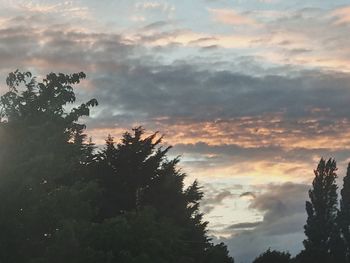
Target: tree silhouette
column 344, row 213
column 63, row 202
column 136, row 174
column 273, row 257
column 321, row 228
column 40, row 162
column 218, row 253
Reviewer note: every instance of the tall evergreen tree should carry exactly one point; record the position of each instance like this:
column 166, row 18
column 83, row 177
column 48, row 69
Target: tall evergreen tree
column 136, row 174
column 344, row 213
column 321, row 228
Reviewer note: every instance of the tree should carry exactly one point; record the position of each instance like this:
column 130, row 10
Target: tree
column 42, row 158
column 273, row 257
column 321, row 228
column 218, row 253
column 344, row 213
column 63, row 202
column 135, row 174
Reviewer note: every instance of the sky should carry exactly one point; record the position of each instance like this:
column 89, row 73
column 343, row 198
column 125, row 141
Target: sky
column 251, row 94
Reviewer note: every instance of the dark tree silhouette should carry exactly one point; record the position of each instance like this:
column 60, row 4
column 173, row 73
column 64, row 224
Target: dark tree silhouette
column 63, row 202
column 136, row 173
column 42, row 151
column 273, row 257
column 344, row 213
column 321, row 228
column 218, row 253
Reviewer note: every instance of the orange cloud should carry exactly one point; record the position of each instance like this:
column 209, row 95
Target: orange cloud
column 342, row 15
column 231, row 17
column 247, row 132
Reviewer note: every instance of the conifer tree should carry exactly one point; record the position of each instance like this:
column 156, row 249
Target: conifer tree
column 344, row 213
column 136, row 174
column 321, row 227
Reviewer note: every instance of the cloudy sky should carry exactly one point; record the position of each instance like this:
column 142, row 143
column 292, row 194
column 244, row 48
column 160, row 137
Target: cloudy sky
column 251, row 93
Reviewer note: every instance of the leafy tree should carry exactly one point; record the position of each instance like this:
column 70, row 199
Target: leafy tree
column 42, row 154
column 273, row 257
column 321, row 228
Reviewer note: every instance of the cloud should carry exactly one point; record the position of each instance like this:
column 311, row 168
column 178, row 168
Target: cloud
column 156, row 25
column 248, row 194
column 244, row 226
column 155, row 5
column 231, row 17
column 342, row 15
column 225, row 94
column 281, row 227
column 213, row 199
column 309, row 46
column 220, row 119
column 280, row 201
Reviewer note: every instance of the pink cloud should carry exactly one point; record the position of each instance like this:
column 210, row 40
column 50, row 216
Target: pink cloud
column 231, row 17
column 342, row 15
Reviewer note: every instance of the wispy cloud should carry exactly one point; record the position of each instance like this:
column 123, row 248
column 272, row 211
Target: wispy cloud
column 66, row 8
column 342, row 15
column 231, row 17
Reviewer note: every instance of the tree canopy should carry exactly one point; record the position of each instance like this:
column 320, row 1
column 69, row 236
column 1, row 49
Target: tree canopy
column 273, row 256
column 63, row 200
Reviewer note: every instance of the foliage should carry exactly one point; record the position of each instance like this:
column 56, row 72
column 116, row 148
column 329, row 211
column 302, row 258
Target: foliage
column 218, row 253
column 63, row 202
column 273, row 257
column 136, row 173
column 323, row 243
column 344, row 214
column 41, row 156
